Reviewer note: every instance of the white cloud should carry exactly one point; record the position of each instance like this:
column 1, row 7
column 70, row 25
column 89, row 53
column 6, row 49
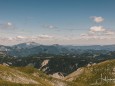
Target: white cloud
column 97, row 19
column 45, row 36
column 110, row 33
column 83, row 34
column 42, row 38
column 51, row 26
column 97, row 29
column 10, row 38
column 20, row 37
column 7, row 25
column 98, row 32
column 31, row 38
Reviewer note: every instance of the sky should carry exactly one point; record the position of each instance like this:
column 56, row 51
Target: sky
column 65, row 22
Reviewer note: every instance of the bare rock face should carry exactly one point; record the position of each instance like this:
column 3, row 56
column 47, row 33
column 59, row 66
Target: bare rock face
column 44, row 63
column 59, row 83
column 75, row 74
column 58, row 75
column 5, row 64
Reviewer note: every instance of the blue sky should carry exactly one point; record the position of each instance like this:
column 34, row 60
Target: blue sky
column 77, row 22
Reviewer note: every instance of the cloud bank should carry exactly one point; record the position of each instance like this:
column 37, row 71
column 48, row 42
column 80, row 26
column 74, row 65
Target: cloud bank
column 97, row 29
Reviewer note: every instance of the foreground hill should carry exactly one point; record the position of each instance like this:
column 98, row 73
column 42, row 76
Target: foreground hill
column 101, row 74
column 26, row 76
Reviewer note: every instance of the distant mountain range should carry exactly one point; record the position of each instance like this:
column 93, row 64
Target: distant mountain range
column 32, row 48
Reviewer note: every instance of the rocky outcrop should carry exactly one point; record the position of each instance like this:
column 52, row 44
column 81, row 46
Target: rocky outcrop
column 74, row 75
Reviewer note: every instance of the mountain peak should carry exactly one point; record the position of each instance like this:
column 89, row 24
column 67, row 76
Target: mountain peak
column 31, row 43
column 26, row 45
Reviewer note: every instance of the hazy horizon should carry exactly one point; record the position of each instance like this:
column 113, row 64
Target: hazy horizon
column 58, row 44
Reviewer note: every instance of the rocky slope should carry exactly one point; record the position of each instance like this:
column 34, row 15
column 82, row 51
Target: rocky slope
column 101, row 74
column 26, row 76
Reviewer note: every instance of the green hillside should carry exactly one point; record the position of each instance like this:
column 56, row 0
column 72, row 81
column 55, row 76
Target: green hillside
column 102, row 74
column 25, row 76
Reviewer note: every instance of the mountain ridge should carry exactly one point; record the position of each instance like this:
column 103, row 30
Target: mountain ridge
column 31, row 48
